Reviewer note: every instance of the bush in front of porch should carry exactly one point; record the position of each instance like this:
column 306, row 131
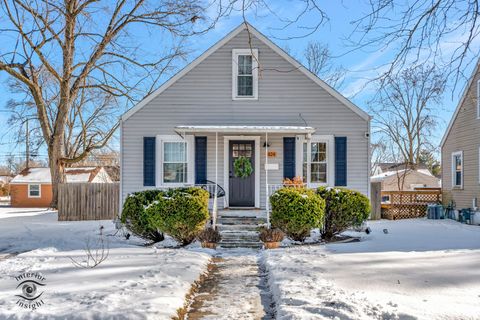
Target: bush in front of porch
column 296, row 211
column 180, row 212
column 135, row 217
column 345, row 208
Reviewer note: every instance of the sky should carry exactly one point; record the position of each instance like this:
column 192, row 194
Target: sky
column 361, row 65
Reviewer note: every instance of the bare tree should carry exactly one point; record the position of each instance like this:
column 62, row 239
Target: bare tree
column 319, row 61
column 404, row 111
column 379, row 154
column 79, row 60
column 69, row 53
column 440, row 32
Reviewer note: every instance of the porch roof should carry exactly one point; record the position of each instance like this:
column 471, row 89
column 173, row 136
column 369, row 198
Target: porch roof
column 244, row 129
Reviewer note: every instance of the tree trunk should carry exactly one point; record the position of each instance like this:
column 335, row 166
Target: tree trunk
column 57, row 169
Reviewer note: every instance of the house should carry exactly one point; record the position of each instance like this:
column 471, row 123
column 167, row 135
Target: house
column 33, row 186
column 244, row 100
column 395, row 176
column 461, row 148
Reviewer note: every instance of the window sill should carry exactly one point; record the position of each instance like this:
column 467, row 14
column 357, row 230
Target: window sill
column 457, row 188
column 244, row 98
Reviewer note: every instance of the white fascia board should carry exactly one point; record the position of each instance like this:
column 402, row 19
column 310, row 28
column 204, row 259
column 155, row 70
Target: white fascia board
column 457, row 110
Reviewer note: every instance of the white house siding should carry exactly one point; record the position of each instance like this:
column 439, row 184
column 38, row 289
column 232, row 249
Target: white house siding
column 204, row 97
column 464, row 135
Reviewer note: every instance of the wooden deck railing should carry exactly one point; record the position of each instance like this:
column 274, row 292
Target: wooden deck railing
column 408, row 204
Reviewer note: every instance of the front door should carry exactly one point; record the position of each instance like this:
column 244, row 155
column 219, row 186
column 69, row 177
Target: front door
column 241, row 189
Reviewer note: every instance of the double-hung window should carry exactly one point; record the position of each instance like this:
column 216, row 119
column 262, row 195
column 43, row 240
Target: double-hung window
column 316, row 160
column 175, row 156
column 34, row 191
column 175, row 162
column 457, row 169
column 245, row 74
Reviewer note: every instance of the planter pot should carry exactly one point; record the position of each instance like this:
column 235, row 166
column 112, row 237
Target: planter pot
column 272, row 245
column 209, row 245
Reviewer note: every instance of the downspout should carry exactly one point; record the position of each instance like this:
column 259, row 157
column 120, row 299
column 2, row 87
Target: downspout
column 266, row 181
column 215, row 198
column 120, row 196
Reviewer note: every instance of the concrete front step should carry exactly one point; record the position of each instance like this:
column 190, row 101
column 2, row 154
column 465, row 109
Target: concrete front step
column 237, row 227
column 251, row 245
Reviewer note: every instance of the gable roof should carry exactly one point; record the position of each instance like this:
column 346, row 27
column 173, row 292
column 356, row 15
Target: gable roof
column 460, row 103
column 42, row 175
column 271, row 45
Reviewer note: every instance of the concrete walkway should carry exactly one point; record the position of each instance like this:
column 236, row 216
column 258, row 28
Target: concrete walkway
column 235, row 289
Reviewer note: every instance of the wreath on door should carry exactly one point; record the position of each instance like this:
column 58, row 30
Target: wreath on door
column 242, row 167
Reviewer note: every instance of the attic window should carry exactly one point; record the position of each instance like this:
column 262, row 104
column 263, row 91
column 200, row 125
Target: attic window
column 245, row 74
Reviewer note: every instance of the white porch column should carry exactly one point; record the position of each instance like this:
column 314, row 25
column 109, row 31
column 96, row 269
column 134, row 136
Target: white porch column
column 267, row 200
column 215, row 206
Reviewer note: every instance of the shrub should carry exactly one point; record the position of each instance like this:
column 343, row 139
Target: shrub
column 135, row 217
column 181, row 213
column 344, row 209
column 209, row 235
column 296, row 211
column 271, row 235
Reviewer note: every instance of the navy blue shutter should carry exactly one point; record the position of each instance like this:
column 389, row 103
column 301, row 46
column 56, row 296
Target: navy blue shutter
column 200, row 159
column 288, row 157
column 149, row 161
column 340, row 161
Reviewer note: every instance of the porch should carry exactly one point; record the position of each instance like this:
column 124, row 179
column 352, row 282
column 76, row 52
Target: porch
column 270, row 150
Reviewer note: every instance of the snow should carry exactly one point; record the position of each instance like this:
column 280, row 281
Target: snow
column 419, row 269
column 42, row 175
column 134, row 282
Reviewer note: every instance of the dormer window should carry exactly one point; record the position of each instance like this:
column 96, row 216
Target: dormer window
column 245, row 74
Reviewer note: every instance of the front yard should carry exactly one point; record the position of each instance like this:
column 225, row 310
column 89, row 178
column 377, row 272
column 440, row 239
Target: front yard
column 420, row 269
column 415, row 269
column 134, row 282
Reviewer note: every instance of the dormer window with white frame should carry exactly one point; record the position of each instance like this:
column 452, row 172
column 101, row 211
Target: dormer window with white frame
column 245, row 74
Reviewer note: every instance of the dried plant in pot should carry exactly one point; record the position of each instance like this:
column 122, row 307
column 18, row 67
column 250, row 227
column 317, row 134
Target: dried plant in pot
column 271, row 237
column 209, row 238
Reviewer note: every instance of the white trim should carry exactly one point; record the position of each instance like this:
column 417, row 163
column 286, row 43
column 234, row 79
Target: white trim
column 243, row 129
column 478, row 99
column 270, row 44
column 120, row 198
column 226, row 159
column 453, row 165
column 329, row 140
column 254, row 54
column 478, row 165
column 39, row 190
column 457, row 110
column 189, row 140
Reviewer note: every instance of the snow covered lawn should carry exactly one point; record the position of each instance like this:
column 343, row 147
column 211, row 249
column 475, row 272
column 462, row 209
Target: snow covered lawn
column 135, row 282
column 421, row 269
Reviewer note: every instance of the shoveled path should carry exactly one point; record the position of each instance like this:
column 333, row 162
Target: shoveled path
column 236, row 288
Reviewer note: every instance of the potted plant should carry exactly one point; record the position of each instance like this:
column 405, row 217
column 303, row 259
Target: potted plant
column 271, row 237
column 209, row 238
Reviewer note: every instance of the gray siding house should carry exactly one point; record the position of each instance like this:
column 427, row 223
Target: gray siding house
column 461, row 149
column 244, row 97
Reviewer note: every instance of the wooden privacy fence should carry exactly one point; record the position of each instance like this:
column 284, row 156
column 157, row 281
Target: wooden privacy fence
column 88, row 201
column 408, row 204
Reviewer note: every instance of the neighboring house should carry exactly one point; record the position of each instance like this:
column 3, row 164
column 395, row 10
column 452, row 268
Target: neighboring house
column 461, row 148
column 395, row 179
column 244, row 97
column 33, row 187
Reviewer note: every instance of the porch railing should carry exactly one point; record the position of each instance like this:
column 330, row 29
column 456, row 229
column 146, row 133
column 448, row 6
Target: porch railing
column 274, row 187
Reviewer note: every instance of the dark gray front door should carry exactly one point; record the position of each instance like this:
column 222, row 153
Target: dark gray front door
column 241, row 190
